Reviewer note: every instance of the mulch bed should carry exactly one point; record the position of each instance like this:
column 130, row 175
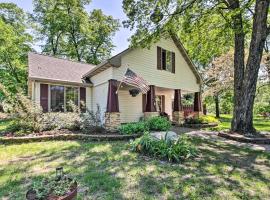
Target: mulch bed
column 260, row 139
column 200, row 125
column 64, row 135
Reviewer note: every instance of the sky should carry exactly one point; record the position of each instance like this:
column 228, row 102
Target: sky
column 109, row 7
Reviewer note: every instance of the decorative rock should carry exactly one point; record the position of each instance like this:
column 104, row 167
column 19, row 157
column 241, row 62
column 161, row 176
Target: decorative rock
column 170, row 135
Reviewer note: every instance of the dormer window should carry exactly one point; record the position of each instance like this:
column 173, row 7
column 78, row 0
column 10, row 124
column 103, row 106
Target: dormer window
column 165, row 60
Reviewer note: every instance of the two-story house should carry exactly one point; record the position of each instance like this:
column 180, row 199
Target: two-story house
column 165, row 66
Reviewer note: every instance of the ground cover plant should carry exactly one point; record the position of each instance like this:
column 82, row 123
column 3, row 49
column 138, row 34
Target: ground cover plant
column 203, row 119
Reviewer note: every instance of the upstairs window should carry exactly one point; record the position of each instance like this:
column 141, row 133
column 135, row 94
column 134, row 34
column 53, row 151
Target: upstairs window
column 165, row 60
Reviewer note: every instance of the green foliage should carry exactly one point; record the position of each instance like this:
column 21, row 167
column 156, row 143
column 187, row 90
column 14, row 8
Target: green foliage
column 204, row 119
column 15, row 43
column 133, row 128
column 49, row 186
column 158, row 124
column 151, row 124
column 173, row 151
column 70, row 31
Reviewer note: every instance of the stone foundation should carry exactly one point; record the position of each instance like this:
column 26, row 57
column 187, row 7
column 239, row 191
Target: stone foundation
column 112, row 121
column 178, row 117
column 150, row 114
column 197, row 114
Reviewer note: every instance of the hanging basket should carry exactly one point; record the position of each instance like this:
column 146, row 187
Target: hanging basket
column 134, row 92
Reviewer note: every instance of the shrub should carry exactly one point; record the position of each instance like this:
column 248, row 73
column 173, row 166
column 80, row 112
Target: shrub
column 133, row 128
column 173, row 151
column 158, row 124
column 204, row 119
column 91, row 122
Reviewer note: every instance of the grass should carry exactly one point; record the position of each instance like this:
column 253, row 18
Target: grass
column 260, row 123
column 108, row 170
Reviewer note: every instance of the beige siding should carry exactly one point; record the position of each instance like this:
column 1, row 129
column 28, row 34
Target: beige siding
column 100, row 94
column 144, row 63
column 89, row 98
column 102, row 77
column 130, row 107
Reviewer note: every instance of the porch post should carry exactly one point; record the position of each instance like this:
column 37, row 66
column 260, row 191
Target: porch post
column 178, row 113
column 112, row 115
column 197, row 103
column 150, row 108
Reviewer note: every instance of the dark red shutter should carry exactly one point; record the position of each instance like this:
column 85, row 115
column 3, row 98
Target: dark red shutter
column 163, row 103
column 44, row 97
column 143, row 102
column 83, row 99
column 173, row 62
column 159, row 58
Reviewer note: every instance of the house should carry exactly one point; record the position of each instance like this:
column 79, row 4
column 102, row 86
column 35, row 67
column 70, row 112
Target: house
column 165, row 66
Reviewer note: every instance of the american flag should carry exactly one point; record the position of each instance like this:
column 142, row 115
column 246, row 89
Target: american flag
column 131, row 78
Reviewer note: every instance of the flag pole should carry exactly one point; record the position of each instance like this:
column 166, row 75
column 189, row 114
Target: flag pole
column 121, row 81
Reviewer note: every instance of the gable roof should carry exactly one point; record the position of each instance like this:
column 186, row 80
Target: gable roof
column 43, row 67
column 115, row 61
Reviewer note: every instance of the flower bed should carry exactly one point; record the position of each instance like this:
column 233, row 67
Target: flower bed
column 204, row 121
column 242, row 138
column 84, row 137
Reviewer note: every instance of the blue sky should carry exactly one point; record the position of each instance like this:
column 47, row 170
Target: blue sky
column 109, row 7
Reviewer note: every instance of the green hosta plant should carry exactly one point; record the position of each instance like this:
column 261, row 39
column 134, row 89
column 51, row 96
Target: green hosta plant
column 173, row 151
column 158, row 124
column 133, row 128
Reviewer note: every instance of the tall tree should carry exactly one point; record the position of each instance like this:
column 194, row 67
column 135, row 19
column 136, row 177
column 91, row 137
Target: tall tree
column 70, row 31
column 15, row 43
column 248, row 21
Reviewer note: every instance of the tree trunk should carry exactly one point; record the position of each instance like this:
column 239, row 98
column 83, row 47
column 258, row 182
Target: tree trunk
column 245, row 89
column 217, row 106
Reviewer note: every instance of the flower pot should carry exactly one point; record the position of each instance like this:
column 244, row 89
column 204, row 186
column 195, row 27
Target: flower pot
column 31, row 194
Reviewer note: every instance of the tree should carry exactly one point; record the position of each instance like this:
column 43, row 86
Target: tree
column 15, row 43
column 70, row 31
column 218, row 78
column 248, row 21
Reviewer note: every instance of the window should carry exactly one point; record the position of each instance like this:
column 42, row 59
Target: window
column 166, row 60
column 57, row 98
column 61, row 98
column 72, row 96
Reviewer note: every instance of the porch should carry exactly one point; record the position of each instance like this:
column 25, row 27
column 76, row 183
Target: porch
column 129, row 105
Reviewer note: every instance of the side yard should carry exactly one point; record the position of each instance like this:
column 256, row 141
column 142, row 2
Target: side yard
column 108, row 170
column 260, row 123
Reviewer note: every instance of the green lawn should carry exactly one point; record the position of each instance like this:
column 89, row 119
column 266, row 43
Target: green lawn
column 260, row 123
column 108, row 170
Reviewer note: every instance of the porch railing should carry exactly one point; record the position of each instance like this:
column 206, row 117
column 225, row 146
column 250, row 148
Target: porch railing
column 188, row 109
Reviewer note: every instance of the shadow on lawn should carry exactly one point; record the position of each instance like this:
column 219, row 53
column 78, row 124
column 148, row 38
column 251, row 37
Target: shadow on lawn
column 108, row 171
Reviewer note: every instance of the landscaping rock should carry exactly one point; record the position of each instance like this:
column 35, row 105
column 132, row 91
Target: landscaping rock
column 170, row 135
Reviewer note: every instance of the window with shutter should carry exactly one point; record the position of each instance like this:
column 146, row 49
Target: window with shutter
column 166, row 60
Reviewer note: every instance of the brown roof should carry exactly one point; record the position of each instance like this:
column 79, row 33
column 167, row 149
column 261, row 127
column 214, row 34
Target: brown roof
column 56, row 69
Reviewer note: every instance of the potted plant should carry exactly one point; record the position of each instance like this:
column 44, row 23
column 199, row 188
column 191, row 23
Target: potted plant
column 61, row 187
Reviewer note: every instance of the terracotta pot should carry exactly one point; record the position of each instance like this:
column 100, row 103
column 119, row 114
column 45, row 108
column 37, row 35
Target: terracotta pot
column 31, row 194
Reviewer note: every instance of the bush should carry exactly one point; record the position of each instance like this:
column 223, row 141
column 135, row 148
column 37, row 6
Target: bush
column 133, row 128
column 158, row 124
column 173, row 151
column 204, row 119
column 91, row 122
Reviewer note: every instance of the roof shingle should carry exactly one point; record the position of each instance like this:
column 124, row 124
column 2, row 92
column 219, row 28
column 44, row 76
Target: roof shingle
column 57, row 69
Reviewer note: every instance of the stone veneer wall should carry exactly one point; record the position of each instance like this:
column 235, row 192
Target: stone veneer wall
column 178, row 117
column 112, row 121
